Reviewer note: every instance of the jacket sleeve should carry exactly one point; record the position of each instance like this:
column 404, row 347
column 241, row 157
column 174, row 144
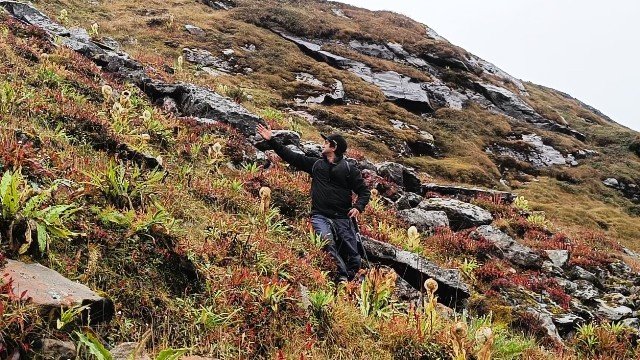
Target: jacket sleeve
column 301, row 162
column 358, row 187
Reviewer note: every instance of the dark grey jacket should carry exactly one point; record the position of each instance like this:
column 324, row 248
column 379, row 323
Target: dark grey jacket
column 332, row 184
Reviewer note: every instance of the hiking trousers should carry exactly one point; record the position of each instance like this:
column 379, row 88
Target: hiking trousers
column 342, row 243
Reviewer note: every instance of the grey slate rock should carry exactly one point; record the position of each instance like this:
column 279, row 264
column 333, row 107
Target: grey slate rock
column 509, row 248
column 53, row 349
column 466, row 193
column 424, row 220
column 461, row 215
column 415, row 269
column 558, row 257
column 194, row 30
column 51, row 291
column 400, row 175
column 408, row 200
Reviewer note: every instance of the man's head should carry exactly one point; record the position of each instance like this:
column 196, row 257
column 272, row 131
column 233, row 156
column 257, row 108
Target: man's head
column 334, row 143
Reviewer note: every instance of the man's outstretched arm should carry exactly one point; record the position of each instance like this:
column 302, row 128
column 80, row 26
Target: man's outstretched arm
column 301, row 162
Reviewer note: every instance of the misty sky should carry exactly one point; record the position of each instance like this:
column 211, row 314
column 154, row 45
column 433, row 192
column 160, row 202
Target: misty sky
column 589, row 49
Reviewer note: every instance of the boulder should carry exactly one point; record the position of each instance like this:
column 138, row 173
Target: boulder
column 51, row 291
column 415, row 269
column 465, row 193
column 408, row 200
column 558, row 257
column 509, row 248
column 424, row 220
column 336, row 96
column 194, row 30
column 199, row 102
column 284, row 137
column 612, row 312
column 312, row 149
column 461, row 215
column 53, row 349
column 400, row 175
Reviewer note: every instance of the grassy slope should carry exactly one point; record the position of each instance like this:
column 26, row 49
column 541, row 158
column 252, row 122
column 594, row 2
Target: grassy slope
column 235, row 270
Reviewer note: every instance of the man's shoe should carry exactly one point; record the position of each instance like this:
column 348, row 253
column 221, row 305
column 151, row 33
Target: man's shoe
column 341, row 280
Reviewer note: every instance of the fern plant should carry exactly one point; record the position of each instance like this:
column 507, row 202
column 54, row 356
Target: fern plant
column 24, row 205
column 126, row 189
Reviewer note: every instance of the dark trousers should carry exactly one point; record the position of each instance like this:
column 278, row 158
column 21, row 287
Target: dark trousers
column 342, row 244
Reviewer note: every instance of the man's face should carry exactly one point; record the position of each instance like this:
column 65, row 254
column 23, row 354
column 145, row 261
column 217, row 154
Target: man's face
column 328, row 147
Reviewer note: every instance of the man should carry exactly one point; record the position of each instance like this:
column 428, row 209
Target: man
column 333, row 180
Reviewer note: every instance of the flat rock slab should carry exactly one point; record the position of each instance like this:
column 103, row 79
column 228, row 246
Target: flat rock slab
column 415, row 269
column 424, row 220
column 461, row 215
column 464, row 193
column 50, row 290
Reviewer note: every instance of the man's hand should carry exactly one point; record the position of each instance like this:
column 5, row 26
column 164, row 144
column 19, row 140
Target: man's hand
column 353, row 213
column 265, row 132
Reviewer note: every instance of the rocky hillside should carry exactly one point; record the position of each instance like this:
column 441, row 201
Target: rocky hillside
column 135, row 216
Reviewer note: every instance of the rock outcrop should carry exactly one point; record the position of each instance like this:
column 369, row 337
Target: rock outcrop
column 415, row 269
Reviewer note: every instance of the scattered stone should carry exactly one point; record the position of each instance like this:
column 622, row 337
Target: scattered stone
column 199, row 56
column 585, row 290
column 194, row 30
column 546, row 321
column 578, row 273
column 58, row 350
column 452, row 291
column 219, row 4
column 567, row 323
column 51, row 291
column 339, row 13
column 558, row 257
column 308, row 79
column 633, row 323
column 509, row 248
column 424, row 220
column 335, row 97
column 461, row 215
column 228, row 52
column 126, row 351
